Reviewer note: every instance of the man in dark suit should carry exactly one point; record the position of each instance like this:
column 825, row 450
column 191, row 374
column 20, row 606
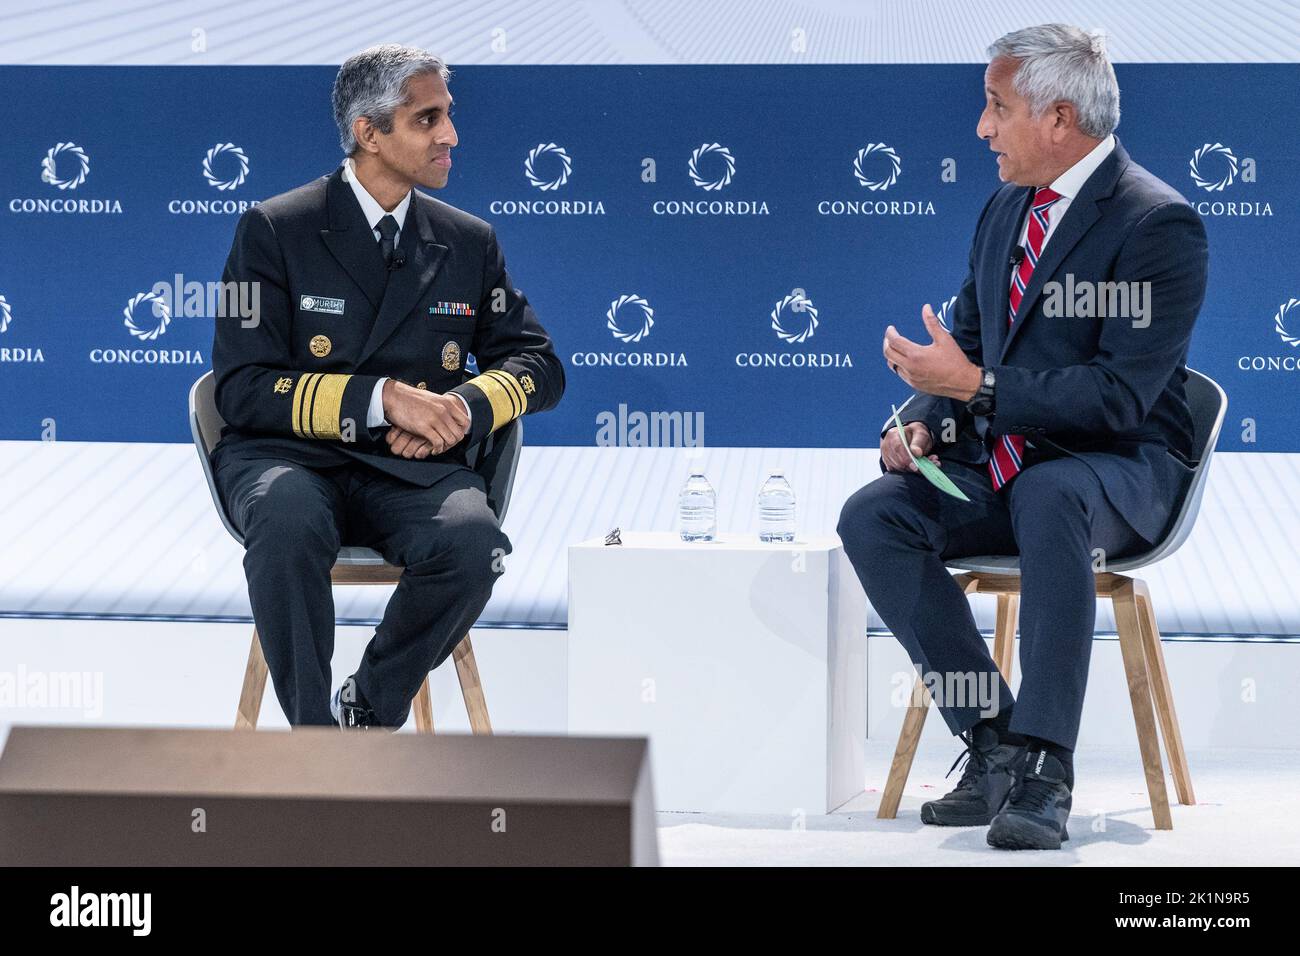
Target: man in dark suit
column 348, row 409
column 1065, row 423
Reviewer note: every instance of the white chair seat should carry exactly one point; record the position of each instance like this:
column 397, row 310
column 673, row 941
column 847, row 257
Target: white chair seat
column 359, row 557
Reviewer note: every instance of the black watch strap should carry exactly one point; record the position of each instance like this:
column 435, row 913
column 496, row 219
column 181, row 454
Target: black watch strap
column 983, row 402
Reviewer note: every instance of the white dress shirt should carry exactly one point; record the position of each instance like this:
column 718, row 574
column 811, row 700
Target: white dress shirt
column 1068, row 185
column 373, row 213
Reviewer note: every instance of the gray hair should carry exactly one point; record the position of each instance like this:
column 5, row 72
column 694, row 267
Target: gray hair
column 1060, row 62
column 372, row 84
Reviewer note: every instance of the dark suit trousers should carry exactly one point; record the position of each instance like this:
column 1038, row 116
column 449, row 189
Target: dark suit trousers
column 899, row 529
column 295, row 518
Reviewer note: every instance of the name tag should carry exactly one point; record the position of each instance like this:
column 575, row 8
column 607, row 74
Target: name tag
column 451, row 308
column 318, row 303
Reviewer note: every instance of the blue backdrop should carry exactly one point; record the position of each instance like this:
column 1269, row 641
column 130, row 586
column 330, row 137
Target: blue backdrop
column 786, row 143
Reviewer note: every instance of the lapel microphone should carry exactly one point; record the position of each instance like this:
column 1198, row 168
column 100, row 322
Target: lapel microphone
column 399, row 260
column 1017, row 257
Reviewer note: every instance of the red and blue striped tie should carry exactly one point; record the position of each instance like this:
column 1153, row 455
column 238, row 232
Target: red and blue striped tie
column 1004, row 463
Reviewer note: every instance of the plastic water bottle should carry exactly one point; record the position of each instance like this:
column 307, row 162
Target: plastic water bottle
column 697, row 509
column 776, row 509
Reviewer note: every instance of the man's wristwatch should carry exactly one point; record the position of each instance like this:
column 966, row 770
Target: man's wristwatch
column 982, row 403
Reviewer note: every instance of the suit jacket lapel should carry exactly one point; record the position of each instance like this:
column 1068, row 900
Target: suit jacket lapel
column 350, row 240
column 1079, row 218
column 406, row 285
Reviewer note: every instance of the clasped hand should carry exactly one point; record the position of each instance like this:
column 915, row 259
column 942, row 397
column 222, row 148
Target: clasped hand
column 422, row 423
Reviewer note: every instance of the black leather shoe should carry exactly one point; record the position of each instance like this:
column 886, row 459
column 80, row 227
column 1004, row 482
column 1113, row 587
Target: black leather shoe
column 985, row 781
column 1035, row 814
column 352, row 713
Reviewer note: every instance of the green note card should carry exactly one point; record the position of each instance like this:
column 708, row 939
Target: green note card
column 932, row 472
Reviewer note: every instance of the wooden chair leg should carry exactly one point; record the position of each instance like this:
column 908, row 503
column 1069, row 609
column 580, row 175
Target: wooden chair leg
column 1004, row 644
column 1004, row 636
column 908, row 738
column 423, row 706
column 471, row 687
column 1139, row 690
column 250, row 698
column 1163, row 695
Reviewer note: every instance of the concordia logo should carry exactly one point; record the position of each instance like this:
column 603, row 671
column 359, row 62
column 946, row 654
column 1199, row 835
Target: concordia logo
column 629, row 319
column 556, row 151
column 547, row 168
column 236, row 153
column 225, row 167
column 724, row 154
column 49, row 170
column 945, row 311
column 877, row 168
column 1286, row 323
column 65, row 168
column 146, row 316
column 794, row 319
column 10, row 353
column 792, row 306
column 891, row 175
column 1214, row 167
column 711, row 168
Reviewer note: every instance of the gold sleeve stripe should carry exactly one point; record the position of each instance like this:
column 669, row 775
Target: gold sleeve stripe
column 515, row 390
column 317, row 404
column 327, row 406
column 503, row 393
column 299, row 393
column 309, row 405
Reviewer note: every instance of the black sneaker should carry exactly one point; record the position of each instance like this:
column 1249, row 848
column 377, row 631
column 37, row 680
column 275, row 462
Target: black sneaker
column 985, row 781
column 1035, row 814
column 352, row 714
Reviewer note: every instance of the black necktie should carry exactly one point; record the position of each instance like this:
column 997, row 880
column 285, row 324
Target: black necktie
column 387, row 230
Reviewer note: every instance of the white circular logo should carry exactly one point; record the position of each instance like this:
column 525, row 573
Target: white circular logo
column 800, row 317
column 895, row 166
column 943, row 313
column 704, row 150
column 1279, row 322
column 1213, row 185
column 217, row 151
column 308, row 303
column 161, row 315
column 566, row 166
column 644, row 317
column 49, row 174
column 6, row 314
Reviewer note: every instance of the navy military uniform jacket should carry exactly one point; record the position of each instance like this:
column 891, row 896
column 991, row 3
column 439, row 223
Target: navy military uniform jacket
column 1101, row 389
column 296, row 382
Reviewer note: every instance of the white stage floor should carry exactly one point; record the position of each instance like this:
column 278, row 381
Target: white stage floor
column 1241, row 748
column 1244, row 816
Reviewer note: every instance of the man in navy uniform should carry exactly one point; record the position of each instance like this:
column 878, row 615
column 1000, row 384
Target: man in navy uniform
column 1069, row 433
column 348, row 409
